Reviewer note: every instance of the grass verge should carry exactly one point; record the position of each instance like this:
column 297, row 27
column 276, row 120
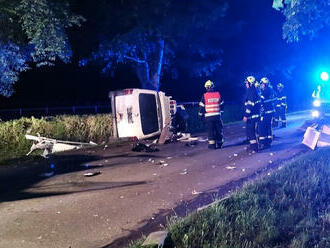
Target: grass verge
column 13, row 145
column 290, row 209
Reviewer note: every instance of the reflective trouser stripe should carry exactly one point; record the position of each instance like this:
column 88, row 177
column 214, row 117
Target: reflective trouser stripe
column 211, row 142
column 262, row 138
column 253, row 141
column 270, row 137
column 211, row 114
column 253, row 117
column 212, row 110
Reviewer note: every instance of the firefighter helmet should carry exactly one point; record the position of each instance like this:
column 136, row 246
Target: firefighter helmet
column 209, row 84
column 250, row 79
column 264, row 80
column 279, row 85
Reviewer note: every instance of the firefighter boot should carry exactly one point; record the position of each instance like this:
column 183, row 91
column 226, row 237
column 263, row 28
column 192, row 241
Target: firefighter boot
column 212, row 144
column 218, row 145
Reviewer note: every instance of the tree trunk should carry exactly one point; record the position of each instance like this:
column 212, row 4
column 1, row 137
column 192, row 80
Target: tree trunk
column 156, row 76
column 149, row 74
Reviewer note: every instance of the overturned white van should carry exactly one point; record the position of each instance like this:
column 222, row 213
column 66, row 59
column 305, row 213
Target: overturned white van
column 141, row 114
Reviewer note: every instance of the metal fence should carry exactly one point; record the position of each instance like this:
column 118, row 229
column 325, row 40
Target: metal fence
column 10, row 114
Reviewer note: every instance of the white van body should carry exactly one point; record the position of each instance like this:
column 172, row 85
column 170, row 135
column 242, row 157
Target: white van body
column 140, row 113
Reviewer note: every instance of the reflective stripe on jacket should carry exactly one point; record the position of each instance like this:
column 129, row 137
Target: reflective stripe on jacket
column 212, row 103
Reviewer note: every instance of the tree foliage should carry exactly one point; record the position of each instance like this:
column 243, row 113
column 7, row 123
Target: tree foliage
column 156, row 33
column 303, row 17
column 34, row 32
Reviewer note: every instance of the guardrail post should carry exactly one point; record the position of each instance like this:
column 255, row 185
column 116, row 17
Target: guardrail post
column 74, row 109
column 95, row 109
column 20, row 112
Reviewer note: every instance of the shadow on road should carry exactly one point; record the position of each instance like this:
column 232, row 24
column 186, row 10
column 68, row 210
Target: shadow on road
column 13, row 181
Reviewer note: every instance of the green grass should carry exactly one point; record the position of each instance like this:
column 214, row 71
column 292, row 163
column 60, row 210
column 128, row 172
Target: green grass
column 13, row 145
column 288, row 209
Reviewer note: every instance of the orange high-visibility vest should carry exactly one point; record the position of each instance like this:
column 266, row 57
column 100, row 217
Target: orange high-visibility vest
column 212, row 103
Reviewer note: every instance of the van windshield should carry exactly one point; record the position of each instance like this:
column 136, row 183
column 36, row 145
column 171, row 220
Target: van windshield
column 148, row 113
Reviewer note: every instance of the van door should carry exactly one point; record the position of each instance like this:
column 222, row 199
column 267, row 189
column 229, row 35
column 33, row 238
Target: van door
column 137, row 113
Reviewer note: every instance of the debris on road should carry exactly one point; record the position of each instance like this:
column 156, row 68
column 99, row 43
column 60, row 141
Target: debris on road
column 314, row 137
column 183, row 136
column 184, row 172
column 202, row 139
column 194, row 192
column 235, row 154
column 50, row 145
column 191, row 144
column 155, row 239
column 90, row 174
column 230, row 167
column 140, row 147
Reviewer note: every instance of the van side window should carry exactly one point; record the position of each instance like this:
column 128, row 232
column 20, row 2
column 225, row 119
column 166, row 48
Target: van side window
column 148, row 113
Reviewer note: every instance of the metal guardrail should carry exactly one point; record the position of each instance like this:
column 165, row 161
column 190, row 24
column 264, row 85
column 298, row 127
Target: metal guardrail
column 11, row 114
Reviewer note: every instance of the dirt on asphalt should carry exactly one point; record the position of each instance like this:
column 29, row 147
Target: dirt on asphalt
column 134, row 193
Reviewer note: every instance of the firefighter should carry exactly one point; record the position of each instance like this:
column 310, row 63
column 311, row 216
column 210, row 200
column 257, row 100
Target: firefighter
column 211, row 107
column 251, row 113
column 267, row 113
column 317, row 92
column 281, row 107
column 257, row 86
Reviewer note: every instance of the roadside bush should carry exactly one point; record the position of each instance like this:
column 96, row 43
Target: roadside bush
column 96, row 128
column 288, row 209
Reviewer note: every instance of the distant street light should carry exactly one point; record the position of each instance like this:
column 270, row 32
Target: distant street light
column 324, row 76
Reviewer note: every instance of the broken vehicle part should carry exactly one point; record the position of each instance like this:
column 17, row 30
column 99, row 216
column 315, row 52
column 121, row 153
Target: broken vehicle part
column 52, row 145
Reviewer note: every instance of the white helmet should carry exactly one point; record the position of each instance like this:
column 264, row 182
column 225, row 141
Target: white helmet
column 250, row 79
column 264, row 80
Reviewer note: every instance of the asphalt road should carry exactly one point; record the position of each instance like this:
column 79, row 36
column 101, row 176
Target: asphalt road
column 135, row 191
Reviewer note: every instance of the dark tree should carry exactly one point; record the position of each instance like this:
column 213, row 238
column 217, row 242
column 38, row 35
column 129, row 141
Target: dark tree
column 303, row 17
column 155, row 35
column 32, row 32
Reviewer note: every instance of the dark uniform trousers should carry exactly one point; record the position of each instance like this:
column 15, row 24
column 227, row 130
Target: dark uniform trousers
column 214, row 128
column 280, row 116
column 251, row 128
column 265, row 130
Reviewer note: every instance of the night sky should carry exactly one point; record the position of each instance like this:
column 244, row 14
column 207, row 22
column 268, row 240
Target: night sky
column 252, row 45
